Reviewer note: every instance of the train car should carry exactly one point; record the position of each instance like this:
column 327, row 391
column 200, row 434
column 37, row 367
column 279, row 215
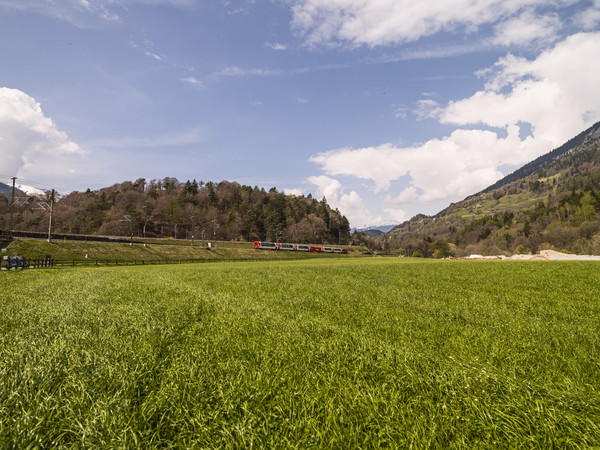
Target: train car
column 261, row 245
column 266, row 245
column 288, row 247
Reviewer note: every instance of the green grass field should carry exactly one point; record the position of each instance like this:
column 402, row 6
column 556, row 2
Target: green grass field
column 355, row 353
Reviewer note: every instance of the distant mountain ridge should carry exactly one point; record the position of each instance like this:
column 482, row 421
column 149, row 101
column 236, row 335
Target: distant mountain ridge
column 6, row 189
column 374, row 230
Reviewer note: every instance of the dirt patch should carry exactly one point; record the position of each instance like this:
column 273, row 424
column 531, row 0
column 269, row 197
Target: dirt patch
column 544, row 255
column 554, row 255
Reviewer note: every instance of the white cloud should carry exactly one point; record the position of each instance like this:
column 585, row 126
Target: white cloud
column 427, row 109
column 408, row 195
column 396, row 215
column 351, row 205
column 293, row 191
column 31, row 145
column 153, row 55
column 399, row 111
column 231, row 72
column 556, row 94
column 384, row 22
column 442, row 169
column 589, row 18
column 526, row 28
column 326, row 187
column 360, row 163
column 275, row 46
column 193, row 80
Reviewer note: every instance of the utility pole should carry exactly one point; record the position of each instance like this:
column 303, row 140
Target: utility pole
column 192, row 217
column 12, row 203
column 128, row 219
column 214, row 222
column 51, row 211
column 147, row 218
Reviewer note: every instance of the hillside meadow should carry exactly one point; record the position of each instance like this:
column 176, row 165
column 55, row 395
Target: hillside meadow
column 361, row 352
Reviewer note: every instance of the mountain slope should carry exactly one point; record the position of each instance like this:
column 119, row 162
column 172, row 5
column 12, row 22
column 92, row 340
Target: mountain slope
column 552, row 202
column 581, row 140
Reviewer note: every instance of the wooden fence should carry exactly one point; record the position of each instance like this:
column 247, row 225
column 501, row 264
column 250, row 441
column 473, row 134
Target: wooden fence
column 39, row 263
column 44, row 263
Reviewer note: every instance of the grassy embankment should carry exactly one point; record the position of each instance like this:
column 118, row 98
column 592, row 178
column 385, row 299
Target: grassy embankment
column 155, row 249
column 321, row 353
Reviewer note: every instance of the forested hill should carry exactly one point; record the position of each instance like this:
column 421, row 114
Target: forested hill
column 169, row 208
column 551, row 203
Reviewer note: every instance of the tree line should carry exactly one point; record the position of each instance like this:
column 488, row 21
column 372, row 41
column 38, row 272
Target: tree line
column 184, row 210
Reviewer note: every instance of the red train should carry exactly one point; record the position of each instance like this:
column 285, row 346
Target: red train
column 260, row 245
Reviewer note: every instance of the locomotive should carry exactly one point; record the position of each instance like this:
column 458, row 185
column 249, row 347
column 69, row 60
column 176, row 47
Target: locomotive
column 261, row 245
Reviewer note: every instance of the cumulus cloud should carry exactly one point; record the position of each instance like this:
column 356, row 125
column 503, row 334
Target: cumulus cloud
column 351, row 203
column 555, row 94
column 293, row 191
column 408, row 195
column 396, row 215
column 30, row 144
column 360, row 163
column 441, row 169
column 384, row 22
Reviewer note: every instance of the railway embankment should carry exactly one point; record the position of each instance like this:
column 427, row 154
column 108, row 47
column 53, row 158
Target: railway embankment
column 164, row 250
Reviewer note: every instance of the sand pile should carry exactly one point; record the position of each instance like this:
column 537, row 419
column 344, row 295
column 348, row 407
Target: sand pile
column 554, row 255
column 544, row 255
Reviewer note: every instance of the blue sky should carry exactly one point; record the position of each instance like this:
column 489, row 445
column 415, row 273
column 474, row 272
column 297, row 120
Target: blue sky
column 388, row 108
